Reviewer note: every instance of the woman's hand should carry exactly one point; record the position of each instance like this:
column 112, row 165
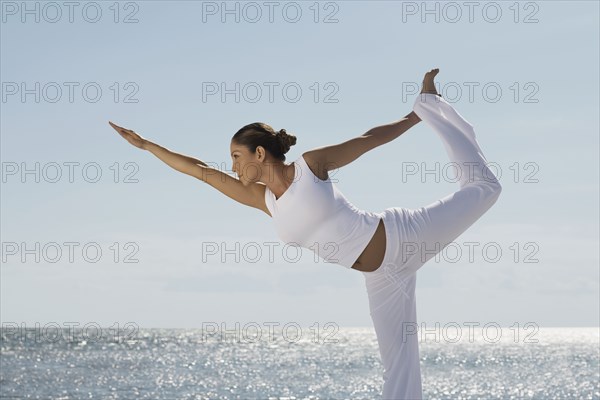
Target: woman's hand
column 130, row 136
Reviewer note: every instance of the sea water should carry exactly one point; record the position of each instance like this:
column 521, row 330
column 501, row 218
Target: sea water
column 553, row 363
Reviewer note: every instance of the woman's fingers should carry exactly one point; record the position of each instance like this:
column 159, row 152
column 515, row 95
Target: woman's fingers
column 129, row 135
column 115, row 126
column 120, row 129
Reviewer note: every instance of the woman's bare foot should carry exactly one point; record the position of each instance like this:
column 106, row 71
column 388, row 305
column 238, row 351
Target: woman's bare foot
column 428, row 85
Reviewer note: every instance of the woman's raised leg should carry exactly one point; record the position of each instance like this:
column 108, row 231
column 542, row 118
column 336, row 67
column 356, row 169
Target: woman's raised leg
column 434, row 226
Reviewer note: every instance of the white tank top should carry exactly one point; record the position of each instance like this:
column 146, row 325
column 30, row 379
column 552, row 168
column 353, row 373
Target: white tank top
column 314, row 214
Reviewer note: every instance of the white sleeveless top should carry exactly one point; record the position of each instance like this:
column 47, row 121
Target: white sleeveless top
column 314, row 214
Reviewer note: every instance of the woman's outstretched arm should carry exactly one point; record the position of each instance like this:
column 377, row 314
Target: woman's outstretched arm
column 187, row 165
column 388, row 132
column 252, row 195
column 338, row 155
column 182, row 163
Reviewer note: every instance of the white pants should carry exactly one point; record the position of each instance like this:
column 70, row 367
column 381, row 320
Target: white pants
column 414, row 236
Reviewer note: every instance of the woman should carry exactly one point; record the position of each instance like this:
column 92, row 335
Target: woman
column 388, row 247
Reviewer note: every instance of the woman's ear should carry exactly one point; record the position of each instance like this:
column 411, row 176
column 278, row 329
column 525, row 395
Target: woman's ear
column 261, row 153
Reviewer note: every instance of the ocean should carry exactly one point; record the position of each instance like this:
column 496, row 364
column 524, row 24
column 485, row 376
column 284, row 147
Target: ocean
column 269, row 363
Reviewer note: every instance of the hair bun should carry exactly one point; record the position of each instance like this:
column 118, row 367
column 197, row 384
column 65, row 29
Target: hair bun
column 281, row 134
column 285, row 139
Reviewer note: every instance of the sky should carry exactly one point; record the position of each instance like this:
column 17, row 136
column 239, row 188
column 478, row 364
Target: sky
column 95, row 230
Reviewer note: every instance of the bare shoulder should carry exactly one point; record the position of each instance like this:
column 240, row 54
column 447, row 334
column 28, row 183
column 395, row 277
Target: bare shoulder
column 317, row 163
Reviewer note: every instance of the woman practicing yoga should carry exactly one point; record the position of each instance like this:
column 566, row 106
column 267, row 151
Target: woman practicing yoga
column 388, row 247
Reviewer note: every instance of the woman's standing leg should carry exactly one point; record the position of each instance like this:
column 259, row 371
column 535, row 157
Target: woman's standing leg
column 393, row 310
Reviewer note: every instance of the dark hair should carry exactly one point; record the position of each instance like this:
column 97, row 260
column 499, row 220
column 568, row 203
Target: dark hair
column 261, row 134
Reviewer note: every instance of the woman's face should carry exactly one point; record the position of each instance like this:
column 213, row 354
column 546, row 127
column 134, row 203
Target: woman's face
column 244, row 164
